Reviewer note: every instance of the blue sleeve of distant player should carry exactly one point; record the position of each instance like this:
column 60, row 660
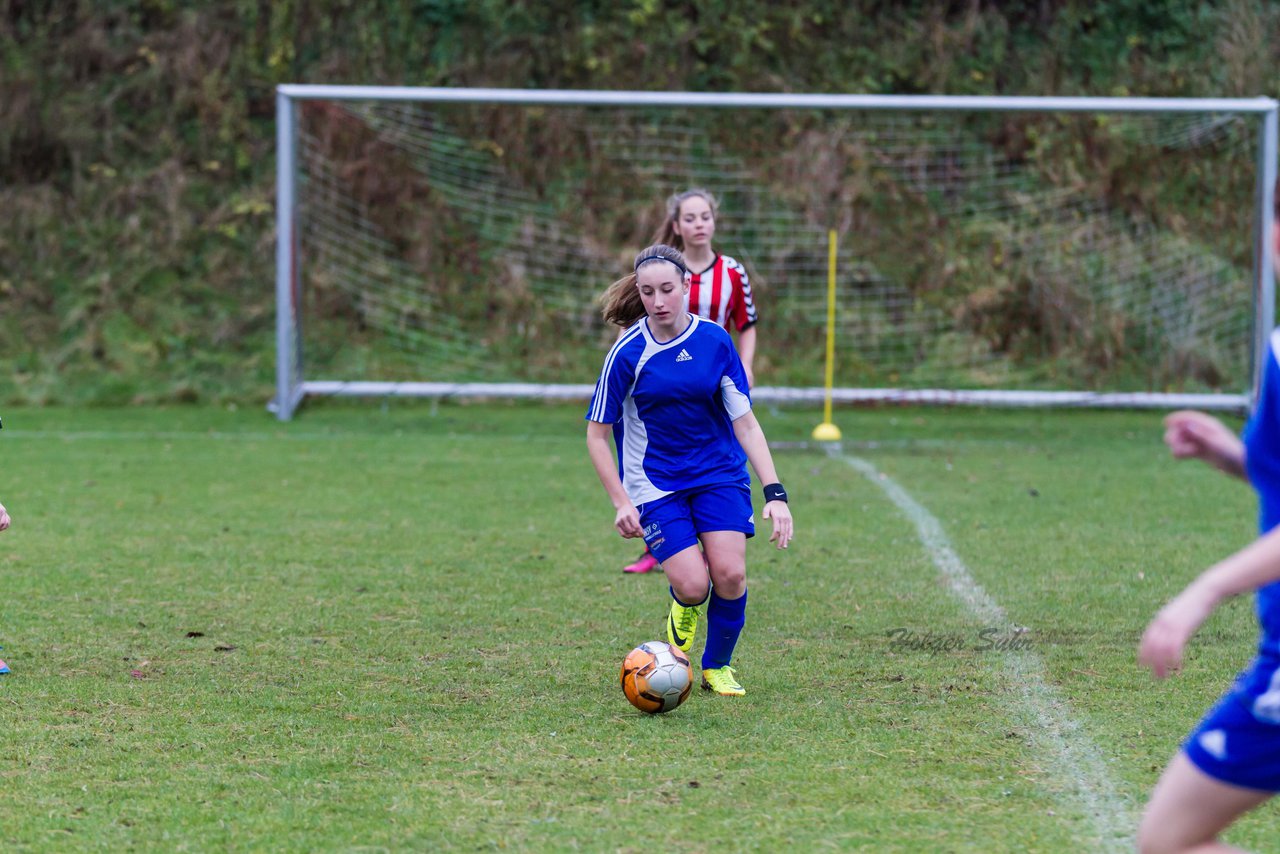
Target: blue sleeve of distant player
column 1269, row 394
column 616, row 377
column 1264, row 425
column 735, row 392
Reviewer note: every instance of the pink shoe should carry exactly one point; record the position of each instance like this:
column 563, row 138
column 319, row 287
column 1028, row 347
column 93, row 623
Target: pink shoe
column 4, row 668
column 646, row 562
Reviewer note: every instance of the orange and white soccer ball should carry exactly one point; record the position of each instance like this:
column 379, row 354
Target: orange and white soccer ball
column 656, row 677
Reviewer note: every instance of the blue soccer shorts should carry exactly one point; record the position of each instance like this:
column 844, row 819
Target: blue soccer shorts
column 1238, row 742
column 672, row 523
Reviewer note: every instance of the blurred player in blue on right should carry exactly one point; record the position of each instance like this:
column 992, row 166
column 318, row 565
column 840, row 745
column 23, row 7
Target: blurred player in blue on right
column 1231, row 761
column 4, row 523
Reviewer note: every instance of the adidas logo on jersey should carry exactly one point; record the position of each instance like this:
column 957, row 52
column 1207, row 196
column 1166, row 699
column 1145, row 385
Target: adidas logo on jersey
column 684, row 356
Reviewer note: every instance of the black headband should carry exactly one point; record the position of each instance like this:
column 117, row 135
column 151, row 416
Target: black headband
column 682, row 268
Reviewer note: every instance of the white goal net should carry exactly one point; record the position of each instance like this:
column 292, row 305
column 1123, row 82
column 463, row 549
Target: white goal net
column 1033, row 254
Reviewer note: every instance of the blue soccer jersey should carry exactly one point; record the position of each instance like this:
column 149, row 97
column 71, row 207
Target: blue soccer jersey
column 1262, row 461
column 1238, row 741
column 672, row 406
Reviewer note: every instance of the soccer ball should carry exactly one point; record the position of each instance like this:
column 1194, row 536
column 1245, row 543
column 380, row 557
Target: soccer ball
column 656, row 677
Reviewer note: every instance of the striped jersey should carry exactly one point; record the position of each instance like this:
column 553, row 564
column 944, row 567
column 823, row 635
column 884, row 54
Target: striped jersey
column 722, row 294
column 672, row 406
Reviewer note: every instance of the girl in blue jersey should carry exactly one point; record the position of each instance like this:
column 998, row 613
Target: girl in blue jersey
column 674, row 394
column 719, row 289
column 1231, row 762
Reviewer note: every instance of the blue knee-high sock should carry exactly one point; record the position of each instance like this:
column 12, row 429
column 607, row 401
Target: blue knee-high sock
column 725, row 618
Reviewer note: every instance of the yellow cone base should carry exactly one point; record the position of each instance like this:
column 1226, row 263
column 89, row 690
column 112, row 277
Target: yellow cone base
column 826, row 432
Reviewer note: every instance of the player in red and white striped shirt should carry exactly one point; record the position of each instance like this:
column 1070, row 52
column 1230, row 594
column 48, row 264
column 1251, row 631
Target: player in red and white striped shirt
column 719, row 289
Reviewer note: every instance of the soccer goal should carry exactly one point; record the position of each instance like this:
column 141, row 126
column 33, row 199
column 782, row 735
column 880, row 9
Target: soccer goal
column 991, row 250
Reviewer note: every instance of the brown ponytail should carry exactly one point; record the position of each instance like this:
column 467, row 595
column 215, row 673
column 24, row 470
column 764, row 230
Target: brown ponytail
column 621, row 304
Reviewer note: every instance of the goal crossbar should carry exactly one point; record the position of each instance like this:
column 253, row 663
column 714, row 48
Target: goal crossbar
column 768, row 100
column 293, row 387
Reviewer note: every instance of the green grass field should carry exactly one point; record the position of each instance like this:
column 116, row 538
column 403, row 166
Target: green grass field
column 399, row 628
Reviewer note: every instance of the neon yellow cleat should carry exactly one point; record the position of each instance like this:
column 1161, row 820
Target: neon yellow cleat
column 682, row 625
column 723, row 681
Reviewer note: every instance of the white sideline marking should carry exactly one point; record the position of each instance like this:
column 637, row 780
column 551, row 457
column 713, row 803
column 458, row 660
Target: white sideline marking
column 1079, row 768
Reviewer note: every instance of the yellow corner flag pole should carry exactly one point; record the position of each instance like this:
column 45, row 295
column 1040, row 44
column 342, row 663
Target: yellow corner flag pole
column 827, row 431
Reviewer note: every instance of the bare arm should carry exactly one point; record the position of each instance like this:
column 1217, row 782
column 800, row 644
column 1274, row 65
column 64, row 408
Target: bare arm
column 626, row 520
column 752, row 439
column 1196, row 435
column 1254, row 566
column 747, row 352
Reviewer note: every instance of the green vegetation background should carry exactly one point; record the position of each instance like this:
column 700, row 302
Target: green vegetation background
column 136, row 138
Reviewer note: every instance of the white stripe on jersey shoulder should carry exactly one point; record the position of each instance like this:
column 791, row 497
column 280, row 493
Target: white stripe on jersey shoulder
column 1275, row 344
column 597, row 411
column 734, row 264
column 628, row 335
